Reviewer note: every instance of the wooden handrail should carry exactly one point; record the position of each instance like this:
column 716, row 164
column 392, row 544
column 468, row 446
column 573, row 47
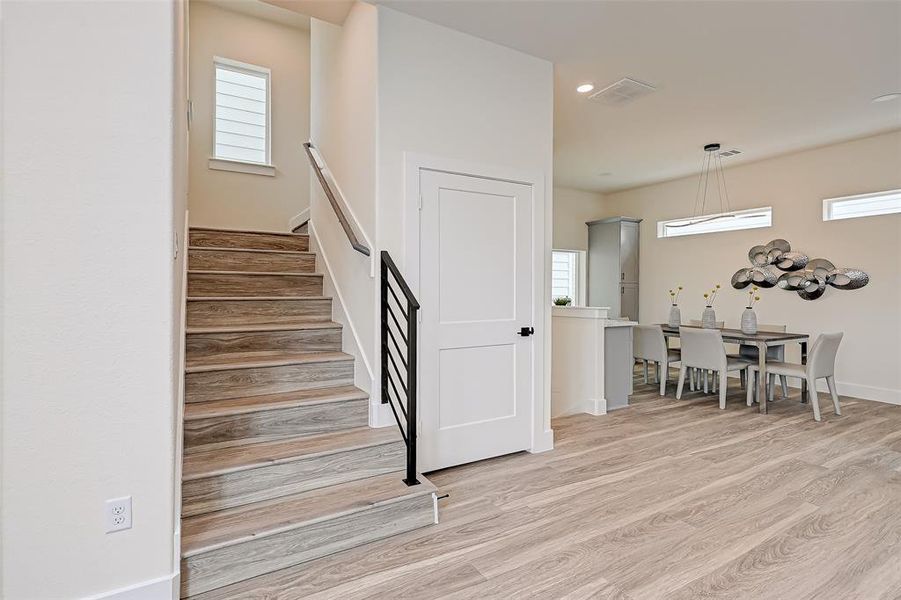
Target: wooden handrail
column 342, row 218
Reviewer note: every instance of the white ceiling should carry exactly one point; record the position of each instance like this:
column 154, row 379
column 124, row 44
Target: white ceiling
column 262, row 10
column 763, row 77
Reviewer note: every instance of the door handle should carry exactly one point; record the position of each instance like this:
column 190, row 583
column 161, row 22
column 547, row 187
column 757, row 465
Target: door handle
column 526, row 331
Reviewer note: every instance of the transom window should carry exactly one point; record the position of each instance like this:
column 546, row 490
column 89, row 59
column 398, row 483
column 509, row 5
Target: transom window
column 862, row 205
column 242, row 112
column 730, row 221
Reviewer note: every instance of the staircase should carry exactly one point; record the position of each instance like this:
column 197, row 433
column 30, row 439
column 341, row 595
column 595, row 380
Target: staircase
column 280, row 465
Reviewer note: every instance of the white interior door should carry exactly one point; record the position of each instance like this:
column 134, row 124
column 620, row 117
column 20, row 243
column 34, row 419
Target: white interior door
column 476, row 278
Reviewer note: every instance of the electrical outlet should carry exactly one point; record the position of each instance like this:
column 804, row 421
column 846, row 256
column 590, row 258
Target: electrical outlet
column 118, row 514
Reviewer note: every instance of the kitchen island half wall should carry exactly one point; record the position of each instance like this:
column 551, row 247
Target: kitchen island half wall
column 591, row 369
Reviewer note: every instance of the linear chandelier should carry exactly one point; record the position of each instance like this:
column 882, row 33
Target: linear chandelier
column 712, row 162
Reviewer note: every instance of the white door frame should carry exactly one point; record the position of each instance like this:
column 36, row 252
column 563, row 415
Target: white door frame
column 542, row 434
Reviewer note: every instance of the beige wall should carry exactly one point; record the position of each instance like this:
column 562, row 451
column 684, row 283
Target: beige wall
column 241, row 200
column 92, row 202
column 869, row 362
column 572, row 209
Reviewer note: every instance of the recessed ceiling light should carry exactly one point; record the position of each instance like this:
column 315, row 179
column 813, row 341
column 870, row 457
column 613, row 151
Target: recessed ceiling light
column 585, row 88
column 887, row 97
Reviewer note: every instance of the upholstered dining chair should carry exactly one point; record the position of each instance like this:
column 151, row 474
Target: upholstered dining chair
column 773, row 353
column 820, row 365
column 649, row 345
column 695, row 374
column 703, row 349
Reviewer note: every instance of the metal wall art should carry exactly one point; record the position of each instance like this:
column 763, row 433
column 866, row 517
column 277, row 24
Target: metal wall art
column 776, row 265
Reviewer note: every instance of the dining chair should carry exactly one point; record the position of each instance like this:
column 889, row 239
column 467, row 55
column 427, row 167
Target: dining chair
column 773, row 353
column 649, row 345
column 696, row 374
column 820, row 365
column 703, row 349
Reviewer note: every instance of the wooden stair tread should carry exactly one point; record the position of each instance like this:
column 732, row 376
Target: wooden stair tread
column 242, row 298
column 254, row 327
column 261, row 231
column 259, row 250
column 253, row 273
column 203, row 533
column 252, row 360
column 250, row 404
column 238, row 458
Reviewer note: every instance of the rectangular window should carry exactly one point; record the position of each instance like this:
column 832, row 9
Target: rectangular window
column 862, row 205
column 731, row 221
column 567, row 275
column 242, row 112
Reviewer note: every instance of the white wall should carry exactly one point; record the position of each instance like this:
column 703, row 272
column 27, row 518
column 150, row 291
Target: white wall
column 88, row 314
column 386, row 84
column 572, row 209
column 241, row 200
column 794, row 185
column 449, row 95
column 343, row 127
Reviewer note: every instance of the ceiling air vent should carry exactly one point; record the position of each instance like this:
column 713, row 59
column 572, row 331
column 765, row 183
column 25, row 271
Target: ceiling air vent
column 622, row 92
column 728, row 153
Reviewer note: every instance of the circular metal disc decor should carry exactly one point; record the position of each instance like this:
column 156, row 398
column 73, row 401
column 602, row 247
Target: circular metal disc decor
column 809, row 277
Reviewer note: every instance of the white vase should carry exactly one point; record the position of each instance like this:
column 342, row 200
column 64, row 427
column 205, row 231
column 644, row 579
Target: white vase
column 675, row 316
column 708, row 318
column 749, row 321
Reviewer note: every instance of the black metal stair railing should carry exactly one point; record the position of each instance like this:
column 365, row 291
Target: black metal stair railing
column 398, row 333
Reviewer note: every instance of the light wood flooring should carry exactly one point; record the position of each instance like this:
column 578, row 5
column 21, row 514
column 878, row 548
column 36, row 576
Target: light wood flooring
column 664, row 499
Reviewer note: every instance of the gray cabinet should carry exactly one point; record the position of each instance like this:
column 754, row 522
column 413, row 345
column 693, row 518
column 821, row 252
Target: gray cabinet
column 613, row 265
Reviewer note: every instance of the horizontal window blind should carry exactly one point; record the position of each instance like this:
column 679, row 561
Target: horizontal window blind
column 564, row 275
column 242, row 112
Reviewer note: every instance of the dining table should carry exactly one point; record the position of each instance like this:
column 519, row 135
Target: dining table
column 762, row 340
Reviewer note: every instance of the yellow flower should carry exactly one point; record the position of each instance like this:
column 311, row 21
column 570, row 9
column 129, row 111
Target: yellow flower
column 680, row 287
column 705, row 295
column 717, row 286
column 757, row 297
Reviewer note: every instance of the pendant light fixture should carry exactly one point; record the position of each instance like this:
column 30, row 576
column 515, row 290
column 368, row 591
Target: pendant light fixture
column 712, row 163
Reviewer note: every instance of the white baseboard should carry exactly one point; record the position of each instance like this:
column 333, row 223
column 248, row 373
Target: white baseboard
column 852, row 390
column 364, row 378
column 596, row 407
column 299, row 219
column 161, row 588
column 543, row 442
